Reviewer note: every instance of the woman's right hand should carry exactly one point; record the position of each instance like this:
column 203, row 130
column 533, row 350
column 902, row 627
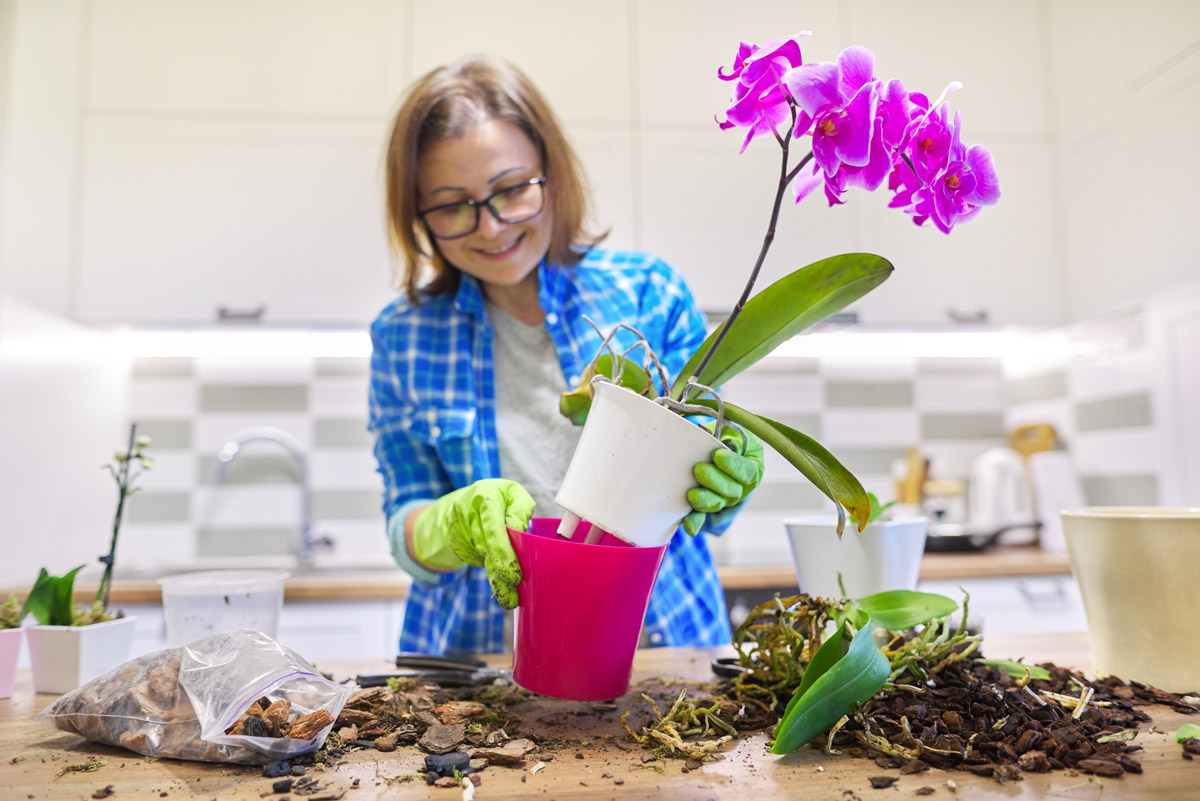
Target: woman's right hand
column 469, row 527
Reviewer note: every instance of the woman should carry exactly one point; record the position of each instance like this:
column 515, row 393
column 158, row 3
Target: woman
column 485, row 210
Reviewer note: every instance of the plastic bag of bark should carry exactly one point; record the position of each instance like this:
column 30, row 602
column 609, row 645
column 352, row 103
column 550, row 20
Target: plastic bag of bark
column 237, row 696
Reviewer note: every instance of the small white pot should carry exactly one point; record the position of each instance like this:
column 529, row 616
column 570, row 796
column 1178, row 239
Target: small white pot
column 10, row 649
column 66, row 657
column 633, row 467
column 884, row 556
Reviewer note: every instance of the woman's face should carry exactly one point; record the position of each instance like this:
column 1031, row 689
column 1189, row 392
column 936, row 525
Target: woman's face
column 493, row 156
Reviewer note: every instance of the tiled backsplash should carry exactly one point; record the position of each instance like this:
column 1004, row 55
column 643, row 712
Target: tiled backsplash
column 866, row 412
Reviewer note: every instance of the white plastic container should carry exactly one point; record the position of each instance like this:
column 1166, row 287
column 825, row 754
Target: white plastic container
column 199, row 604
column 632, row 469
column 886, row 555
column 65, row 657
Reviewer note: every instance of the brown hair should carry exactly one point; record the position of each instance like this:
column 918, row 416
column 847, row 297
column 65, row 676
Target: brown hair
column 446, row 103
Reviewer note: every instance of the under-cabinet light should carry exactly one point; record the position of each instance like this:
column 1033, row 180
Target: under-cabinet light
column 845, row 344
column 278, row 344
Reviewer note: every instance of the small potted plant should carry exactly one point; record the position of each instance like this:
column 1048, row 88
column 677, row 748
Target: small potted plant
column 884, row 556
column 70, row 646
column 863, row 132
column 10, row 644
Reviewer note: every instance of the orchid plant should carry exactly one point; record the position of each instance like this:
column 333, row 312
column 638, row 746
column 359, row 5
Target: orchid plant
column 861, row 131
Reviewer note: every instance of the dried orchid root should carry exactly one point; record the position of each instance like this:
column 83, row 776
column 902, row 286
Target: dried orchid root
column 684, row 719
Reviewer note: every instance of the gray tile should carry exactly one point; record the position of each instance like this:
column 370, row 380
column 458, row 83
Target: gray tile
column 861, row 461
column 254, row 398
column 158, row 507
column 347, row 505
column 927, row 365
column 1135, row 490
column 868, row 394
column 164, row 367
column 246, row 541
column 1037, row 388
column 953, row 425
column 792, row 495
column 341, row 433
column 343, row 365
column 250, row 469
column 787, row 364
column 165, row 434
column 1127, row 411
column 809, row 424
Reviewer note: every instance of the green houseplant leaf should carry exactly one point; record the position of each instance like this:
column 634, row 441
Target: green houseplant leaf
column 576, row 404
column 1187, row 731
column 847, row 675
column 1016, row 669
column 809, row 457
column 897, row 610
column 782, row 310
column 52, row 598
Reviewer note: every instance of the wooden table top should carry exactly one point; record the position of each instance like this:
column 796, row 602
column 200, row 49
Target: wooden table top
column 34, row 758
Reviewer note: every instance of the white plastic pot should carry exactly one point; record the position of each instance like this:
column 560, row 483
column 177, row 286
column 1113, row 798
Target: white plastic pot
column 633, row 467
column 197, row 605
column 66, row 657
column 886, row 555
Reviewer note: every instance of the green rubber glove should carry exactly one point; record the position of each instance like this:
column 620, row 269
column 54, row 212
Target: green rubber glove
column 725, row 480
column 467, row 527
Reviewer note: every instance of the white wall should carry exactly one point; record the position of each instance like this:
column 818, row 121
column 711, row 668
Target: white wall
column 1125, row 86
column 63, row 412
column 138, row 150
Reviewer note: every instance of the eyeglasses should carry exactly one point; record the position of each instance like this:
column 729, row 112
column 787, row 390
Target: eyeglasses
column 511, row 205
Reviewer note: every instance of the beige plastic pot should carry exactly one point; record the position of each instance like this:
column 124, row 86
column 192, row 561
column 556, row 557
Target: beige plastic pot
column 1136, row 568
column 632, row 468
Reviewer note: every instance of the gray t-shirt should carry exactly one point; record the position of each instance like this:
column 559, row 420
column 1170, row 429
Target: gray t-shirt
column 535, row 441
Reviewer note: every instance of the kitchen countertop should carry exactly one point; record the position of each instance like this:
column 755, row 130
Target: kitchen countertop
column 386, row 582
column 34, row 757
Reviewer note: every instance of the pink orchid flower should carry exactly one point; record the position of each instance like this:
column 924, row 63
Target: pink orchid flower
column 759, row 102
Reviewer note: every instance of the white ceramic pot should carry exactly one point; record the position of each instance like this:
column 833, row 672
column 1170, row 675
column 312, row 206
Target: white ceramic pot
column 66, row 657
column 884, row 556
column 633, row 467
column 10, row 649
column 1136, row 568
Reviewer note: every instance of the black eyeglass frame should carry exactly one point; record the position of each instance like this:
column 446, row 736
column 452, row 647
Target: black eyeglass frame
column 487, row 201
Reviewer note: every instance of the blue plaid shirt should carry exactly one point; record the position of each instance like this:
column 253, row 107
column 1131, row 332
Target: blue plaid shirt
column 433, row 414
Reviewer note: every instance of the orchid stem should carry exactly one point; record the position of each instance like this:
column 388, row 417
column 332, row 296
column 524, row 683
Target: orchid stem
column 785, row 178
column 122, row 485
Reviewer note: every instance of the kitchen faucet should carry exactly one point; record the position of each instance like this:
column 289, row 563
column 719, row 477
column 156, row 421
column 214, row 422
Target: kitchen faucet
column 308, row 540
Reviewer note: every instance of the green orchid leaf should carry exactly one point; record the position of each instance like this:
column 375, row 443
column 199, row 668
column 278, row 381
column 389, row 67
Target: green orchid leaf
column 52, row 598
column 897, row 610
column 856, row 674
column 575, row 404
column 1016, row 669
column 878, row 510
column 1187, row 731
column 808, row 456
column 784, row 309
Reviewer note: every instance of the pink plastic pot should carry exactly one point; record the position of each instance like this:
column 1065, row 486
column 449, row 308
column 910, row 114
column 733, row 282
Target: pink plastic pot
column 10, row 649
column 580, row 610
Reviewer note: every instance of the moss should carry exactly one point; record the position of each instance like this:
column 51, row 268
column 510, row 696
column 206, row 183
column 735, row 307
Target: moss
column 10, row 613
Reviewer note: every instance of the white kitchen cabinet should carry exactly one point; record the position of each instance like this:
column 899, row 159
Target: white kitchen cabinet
column 1017, row 604
column 279, row 220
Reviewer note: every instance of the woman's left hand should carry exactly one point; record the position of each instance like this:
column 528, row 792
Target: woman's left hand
column 726, row 479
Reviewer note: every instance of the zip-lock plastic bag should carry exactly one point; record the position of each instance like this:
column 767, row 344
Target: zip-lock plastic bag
column 190, row 702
